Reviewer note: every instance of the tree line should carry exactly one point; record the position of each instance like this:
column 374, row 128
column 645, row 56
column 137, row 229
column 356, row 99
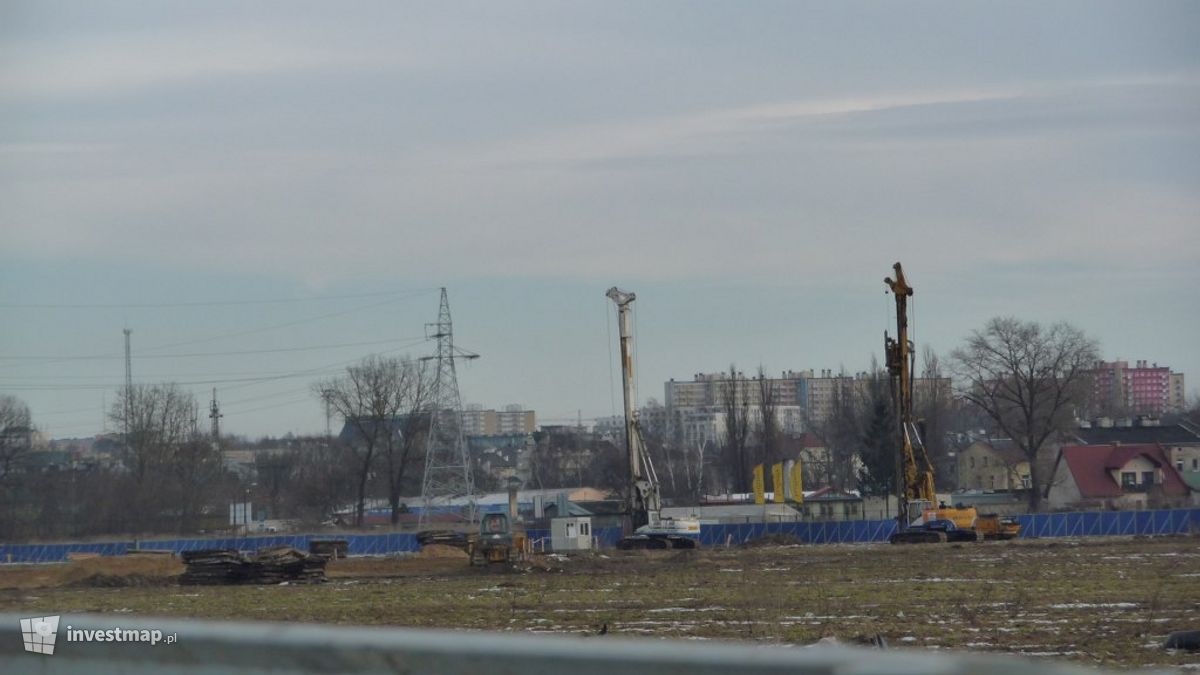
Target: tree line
column 1021, row 380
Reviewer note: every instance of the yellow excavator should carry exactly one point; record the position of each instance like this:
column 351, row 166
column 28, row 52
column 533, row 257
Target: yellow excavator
column 921, row 522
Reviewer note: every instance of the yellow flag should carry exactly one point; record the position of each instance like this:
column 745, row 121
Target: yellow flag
column 797, row 485
column 777, row 482
column 760, row 496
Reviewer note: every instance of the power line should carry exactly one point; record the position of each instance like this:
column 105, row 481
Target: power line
column 209, row 303
column 277, row 326
column 237, row 381
column 275, row 350
column 264, row 329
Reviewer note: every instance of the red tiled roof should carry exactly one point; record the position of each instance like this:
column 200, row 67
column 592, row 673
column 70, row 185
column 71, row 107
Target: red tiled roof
column 1090, row 466
column 810, row 440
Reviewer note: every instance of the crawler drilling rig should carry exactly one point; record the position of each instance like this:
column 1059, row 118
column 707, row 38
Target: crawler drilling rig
column 645, row 527
column 920, row 521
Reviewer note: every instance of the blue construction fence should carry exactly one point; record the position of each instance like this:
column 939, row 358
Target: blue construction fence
column 1076, row 524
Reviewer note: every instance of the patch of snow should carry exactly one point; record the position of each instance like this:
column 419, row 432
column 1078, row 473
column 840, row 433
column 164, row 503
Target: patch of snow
column 1092, row 605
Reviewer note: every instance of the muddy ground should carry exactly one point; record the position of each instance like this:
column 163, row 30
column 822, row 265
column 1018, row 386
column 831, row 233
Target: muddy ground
column 1097, row 601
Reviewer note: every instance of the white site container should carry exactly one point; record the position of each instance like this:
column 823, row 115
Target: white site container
column 571, row 534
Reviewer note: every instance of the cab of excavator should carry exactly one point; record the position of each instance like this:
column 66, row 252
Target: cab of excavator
column 493, row 524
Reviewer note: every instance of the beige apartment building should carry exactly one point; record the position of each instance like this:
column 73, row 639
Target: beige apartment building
column 801, row 397
column 512, row 420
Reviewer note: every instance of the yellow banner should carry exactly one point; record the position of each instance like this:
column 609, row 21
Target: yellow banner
column 760, row 496
column 777, row 483
column 797, row 485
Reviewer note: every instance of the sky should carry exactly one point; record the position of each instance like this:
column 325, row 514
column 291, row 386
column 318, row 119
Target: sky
column 264, row 193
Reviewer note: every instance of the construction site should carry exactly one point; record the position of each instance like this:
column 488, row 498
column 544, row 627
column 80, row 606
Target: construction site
column 1103, row 601
column 948, row 579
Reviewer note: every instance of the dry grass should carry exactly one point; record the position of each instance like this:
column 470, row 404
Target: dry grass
column 126, row 570
column 1106, row 601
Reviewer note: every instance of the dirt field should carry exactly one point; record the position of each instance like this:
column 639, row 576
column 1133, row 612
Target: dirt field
column 1103, row 601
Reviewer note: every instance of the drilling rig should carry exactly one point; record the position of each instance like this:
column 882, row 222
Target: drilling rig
column 914, row 472
column 645, row 527
column 921, row 522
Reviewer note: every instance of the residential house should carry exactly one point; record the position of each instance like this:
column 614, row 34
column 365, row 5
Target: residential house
column 1180, row 441
column 830, row 504
column 995, row 464
column 1116, row 477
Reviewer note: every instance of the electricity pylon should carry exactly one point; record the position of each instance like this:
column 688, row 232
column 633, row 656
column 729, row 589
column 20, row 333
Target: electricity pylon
column 447, row 462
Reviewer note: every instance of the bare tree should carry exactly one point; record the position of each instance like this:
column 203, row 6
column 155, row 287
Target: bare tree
column 1029, row 379
column 768, row 421
column 371, row 397
column 158, row 419
column 415, row 387
column 194, row 465
column 679, row 466
column 16, row 431
column 737, row 430
column 933, row 409
column 840, row 434
column 325, row 475
column 880, row 442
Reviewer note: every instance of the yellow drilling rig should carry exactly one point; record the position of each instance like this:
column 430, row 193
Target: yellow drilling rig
column 921, row 520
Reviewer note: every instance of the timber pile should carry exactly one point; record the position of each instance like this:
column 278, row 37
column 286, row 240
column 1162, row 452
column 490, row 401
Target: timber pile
column 269, row 566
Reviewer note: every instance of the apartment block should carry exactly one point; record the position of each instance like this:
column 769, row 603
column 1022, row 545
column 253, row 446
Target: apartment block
column 799, row 396
column 514, row 419
column 1142, row 389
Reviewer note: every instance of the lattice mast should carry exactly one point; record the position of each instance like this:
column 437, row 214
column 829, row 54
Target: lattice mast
column 447, row 462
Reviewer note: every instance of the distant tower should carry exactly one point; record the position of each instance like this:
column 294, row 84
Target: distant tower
column 128, row 383
column 214, row 414
column 447, row 463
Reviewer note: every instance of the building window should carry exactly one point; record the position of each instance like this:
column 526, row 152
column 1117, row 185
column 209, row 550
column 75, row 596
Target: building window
column 972, row 462
column 992, row 479
column 1128, row 478
column 985, row 461
column 1195, row 464
column 1179, row 465
column 1148, row 478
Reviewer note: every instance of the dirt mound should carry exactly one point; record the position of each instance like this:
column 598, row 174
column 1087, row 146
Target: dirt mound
column 95, row 571
column 122, row 581
column 442, row 551
column 773, row 540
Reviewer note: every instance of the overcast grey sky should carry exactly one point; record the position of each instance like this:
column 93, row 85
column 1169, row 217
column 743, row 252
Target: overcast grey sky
column 751, row 170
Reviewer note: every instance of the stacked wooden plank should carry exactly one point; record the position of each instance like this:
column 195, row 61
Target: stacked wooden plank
column 284, row 563
column 213, row 566
column 269, row 566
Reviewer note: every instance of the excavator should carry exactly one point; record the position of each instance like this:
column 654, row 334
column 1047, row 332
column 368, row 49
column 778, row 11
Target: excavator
column 645, row 526
column 921, row 521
